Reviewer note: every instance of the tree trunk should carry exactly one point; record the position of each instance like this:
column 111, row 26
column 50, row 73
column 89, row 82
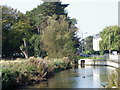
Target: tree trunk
column 38, row 30
column 25, row 51
column 26, row 56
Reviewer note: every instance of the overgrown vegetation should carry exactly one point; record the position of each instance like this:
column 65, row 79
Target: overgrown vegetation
column 32, row 70
column 114, row 80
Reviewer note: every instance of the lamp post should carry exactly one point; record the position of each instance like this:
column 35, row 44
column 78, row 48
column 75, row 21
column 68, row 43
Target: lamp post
column 83, row 41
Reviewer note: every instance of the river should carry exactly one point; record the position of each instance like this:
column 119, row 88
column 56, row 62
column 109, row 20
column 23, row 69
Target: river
column 88, row 77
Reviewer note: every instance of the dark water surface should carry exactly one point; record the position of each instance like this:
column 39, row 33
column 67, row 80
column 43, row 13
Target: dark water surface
column 88, row 77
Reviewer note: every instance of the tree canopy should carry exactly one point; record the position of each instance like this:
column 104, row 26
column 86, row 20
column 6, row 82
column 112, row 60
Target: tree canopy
column 46, row 30
column 88, row 43
column 110, row 38
column 57, row 38
column 9, row 17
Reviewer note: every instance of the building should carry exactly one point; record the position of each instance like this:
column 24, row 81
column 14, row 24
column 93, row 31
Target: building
column 96, row 40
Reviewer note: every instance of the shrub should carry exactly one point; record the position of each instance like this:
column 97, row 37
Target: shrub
column 8, row 78
column 114, row 79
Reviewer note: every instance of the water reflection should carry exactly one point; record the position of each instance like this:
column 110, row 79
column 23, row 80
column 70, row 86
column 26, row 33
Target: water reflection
column 80, row 77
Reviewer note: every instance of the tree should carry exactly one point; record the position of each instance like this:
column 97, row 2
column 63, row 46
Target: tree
column 88, row 43
column 57, row 38
column 24, row 31
column 110, row 38
column 36, row 43
column 9, row 17
column 39, row 20
column 38, row 16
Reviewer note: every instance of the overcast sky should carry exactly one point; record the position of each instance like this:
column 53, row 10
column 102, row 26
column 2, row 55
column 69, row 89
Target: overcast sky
column 92, row 15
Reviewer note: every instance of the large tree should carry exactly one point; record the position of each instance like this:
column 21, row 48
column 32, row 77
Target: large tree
column 57, row 38
column 38, row 16
column 9, row 17
column 23, row 32
column 40, row 19
column 110, row 38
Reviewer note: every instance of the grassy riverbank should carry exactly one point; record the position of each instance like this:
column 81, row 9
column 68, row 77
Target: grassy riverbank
column 30, row 71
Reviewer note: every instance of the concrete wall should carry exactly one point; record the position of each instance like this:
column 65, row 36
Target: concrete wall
column 111, row 57
column 113, row 64
column 114, row 57
column 100, row 62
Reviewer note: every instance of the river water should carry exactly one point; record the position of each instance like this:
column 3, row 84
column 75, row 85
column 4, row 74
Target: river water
column 88, row 77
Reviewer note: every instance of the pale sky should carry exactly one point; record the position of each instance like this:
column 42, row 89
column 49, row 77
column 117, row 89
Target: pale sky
column 92, row 15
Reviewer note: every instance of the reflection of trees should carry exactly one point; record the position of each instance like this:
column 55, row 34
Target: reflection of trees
column 104, row 72
column 74, row 78
column 63, row 79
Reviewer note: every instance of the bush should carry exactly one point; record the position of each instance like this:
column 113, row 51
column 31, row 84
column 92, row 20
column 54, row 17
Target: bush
column 114, row 79
column 86, row 52
column 8, row 78
column 102, row 52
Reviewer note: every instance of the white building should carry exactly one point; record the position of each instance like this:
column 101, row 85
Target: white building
column 96, row 40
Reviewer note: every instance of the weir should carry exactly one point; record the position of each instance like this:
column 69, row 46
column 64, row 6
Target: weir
column 113, row 63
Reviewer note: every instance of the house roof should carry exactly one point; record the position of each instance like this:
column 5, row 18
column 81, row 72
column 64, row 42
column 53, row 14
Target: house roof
column 96, row 36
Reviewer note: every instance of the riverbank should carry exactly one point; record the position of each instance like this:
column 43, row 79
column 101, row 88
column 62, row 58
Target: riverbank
column 114, row 80
column 30, row 71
